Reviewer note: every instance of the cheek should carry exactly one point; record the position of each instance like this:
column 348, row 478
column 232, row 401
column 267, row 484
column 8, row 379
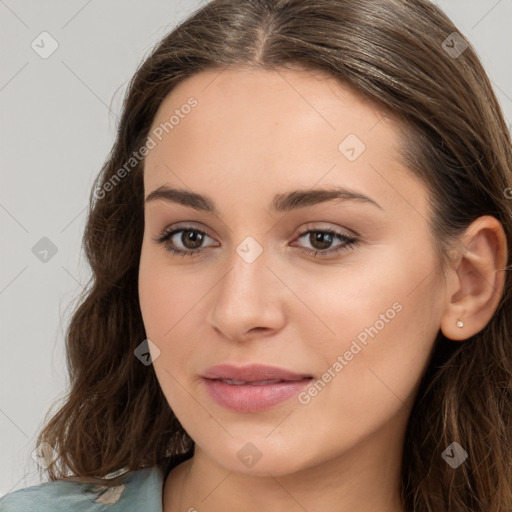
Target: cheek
column 167, row 297
column 167, row 294
column 170, row 298
column 385, row 317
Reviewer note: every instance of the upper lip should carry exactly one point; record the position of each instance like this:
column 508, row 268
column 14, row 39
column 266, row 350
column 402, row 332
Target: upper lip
column 251, row 373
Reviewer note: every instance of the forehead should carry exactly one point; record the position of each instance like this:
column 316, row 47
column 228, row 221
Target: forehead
column 276, row 96
column 270, row 129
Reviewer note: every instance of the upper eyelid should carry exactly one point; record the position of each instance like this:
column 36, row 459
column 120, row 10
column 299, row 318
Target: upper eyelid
column 340, row 232
column 186, row 227
column 190, row 225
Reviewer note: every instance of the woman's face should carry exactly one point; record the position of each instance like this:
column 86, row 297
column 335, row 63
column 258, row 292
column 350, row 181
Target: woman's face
column 353, row 325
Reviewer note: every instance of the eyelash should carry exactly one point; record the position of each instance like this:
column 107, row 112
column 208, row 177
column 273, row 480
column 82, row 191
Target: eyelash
column 348, row 242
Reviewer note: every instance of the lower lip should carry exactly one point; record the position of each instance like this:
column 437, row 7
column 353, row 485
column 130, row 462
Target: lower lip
column 253, row 398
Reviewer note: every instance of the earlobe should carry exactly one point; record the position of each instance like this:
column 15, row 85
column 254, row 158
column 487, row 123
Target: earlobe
column 478, row 277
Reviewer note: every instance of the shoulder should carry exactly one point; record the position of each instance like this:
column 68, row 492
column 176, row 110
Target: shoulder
column 138, row 490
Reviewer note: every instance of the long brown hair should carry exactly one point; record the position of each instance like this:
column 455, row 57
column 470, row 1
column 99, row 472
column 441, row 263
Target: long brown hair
column 399, row 54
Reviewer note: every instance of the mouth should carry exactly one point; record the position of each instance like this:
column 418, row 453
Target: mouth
column 257, row 382
column 252, row 373
column 252, row 388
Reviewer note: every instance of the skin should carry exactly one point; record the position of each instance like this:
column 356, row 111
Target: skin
column 254, row 134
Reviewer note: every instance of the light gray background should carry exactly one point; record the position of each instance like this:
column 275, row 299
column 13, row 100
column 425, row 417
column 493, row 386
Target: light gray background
column 59, row 117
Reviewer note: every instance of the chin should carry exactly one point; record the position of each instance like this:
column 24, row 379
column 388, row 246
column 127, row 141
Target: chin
column 258, row 457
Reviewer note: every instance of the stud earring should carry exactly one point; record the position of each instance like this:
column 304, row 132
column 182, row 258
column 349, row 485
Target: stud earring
column 460, row 323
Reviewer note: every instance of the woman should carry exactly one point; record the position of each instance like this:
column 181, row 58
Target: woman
column 299, row 247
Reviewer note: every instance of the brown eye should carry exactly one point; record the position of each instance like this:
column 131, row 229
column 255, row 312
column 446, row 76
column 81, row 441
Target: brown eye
column 183, row 241
column 191, row 239
column 321, row 240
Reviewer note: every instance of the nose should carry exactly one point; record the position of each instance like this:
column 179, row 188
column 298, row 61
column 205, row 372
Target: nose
column 248, row 301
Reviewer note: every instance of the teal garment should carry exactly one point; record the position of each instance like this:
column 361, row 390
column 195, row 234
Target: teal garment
column 140, row 491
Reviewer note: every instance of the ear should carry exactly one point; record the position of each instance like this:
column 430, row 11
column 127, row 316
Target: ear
column 475, row 279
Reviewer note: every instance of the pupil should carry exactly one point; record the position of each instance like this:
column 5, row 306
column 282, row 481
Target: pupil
column 193, row 236
column 325, row 240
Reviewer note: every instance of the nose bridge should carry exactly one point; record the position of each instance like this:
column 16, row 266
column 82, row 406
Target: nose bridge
column 247, row 294
column 248, row 273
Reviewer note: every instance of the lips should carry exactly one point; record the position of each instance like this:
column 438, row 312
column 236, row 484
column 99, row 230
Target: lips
column 252, row 373
column 253, row 383
column 252, row 388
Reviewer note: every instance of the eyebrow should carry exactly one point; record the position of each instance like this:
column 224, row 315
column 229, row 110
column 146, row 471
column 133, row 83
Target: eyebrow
column 281, row 202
